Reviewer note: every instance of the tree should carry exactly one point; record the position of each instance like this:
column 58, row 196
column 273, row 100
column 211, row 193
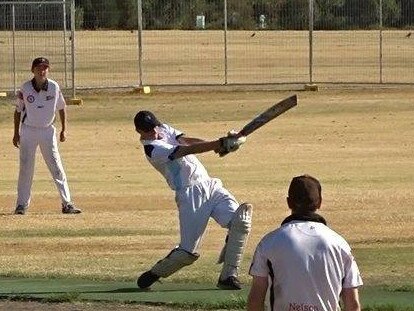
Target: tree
column 362, row 14
column 328, row 14
column 406, row 13
column 89, row 17
column 127, row 14
column 294, row 14
column 239, row 14
column 391, row 13
column 107, row 13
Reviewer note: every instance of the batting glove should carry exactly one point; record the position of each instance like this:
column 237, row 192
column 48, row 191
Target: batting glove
column 230, row 143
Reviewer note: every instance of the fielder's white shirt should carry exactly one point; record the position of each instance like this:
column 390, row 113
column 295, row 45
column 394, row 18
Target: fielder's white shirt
column 308, row 264
column 179, row 173
column 39, row 108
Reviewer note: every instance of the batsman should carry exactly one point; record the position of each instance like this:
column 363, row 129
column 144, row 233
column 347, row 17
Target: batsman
column 198, row 197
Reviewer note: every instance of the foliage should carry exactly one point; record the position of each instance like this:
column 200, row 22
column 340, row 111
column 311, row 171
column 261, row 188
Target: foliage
column 406, row 17
column 279, row 14
column 127, row 14
column 391, row 13
column 181, row 14
column 328, row 14
column 294, row 14
column 362, row 14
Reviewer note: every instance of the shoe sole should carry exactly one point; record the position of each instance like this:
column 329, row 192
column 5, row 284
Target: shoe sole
column 147, row 281
column 71, row 212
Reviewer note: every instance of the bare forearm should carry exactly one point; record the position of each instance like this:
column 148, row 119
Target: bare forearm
column 255, row 305
column 350, row 297
column 16, row 122
column 195, row 148
column 62, row 116
column 257, row 294
column 189, row 140
column 222, row 146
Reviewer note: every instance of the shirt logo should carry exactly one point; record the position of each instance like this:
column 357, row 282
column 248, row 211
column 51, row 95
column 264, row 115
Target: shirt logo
column 30, row 98
column 49, row 97
column 302, row 307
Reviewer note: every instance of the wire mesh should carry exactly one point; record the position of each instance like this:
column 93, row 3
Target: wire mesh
column 197, row 42
column 31, row 30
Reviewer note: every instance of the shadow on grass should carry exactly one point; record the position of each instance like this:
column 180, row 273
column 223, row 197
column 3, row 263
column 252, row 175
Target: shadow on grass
column 114, row 291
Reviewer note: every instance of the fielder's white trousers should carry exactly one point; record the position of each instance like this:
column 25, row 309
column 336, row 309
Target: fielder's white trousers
column 196, row 204
column 45, row 138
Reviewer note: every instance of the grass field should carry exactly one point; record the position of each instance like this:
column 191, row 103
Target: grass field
column 110, row 58
column 359, row 143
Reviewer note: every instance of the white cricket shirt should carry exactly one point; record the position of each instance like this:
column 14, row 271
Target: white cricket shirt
column 308, row 265
column 179, row 173
column 39, row 108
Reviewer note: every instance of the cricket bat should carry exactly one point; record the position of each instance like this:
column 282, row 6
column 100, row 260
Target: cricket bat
column 265, row 117
column 268, row 115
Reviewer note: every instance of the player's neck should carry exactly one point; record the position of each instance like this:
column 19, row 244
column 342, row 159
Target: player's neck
column 40, row 81
column 153, row 135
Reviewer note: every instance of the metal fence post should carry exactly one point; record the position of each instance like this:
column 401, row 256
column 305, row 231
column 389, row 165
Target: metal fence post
column 225, row 41
column 64, row 42
column 14, row 48
column 311, row 16
column 380, row 40
column 139, row 3
column 72, row 31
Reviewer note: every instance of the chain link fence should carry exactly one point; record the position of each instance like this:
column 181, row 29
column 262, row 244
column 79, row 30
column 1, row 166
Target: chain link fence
column 31, row 29
column 215, row 42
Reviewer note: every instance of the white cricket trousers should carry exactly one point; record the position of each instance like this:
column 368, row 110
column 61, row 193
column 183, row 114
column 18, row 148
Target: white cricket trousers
column 45, row 138
column 196, row 204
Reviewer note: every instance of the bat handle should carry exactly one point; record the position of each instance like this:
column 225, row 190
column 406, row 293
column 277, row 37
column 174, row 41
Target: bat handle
column 233, row 133
column 240, row 134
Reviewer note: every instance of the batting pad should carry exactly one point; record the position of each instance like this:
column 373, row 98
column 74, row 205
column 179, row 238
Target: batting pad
column 236, row 239
column 176, row 259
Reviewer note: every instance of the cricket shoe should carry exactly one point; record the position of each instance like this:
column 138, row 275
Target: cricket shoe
column 147, row 279
column 20, row 209
column 70, row 208
column 231, row 283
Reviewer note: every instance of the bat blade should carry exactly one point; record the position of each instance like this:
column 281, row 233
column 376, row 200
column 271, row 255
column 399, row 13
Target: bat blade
column 268, row 115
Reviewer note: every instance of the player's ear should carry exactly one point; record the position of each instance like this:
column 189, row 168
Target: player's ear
column 289, row 203
column 320, row 204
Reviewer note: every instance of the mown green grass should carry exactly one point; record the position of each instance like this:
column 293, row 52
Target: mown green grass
column 187, row 296
column 359, row 143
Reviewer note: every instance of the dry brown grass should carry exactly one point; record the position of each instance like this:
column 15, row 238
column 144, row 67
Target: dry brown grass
column 110, row 58
column 359, row 143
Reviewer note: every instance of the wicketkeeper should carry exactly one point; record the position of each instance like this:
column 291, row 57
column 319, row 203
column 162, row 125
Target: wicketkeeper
column 198, row 197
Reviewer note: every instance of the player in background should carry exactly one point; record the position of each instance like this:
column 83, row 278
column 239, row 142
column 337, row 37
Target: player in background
column 304, row 264
column 198, row 197
column 36, row 106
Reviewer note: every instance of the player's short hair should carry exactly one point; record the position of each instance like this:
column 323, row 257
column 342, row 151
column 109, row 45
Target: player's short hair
column 145, row 121
column 305, row 193
column 40, row 61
